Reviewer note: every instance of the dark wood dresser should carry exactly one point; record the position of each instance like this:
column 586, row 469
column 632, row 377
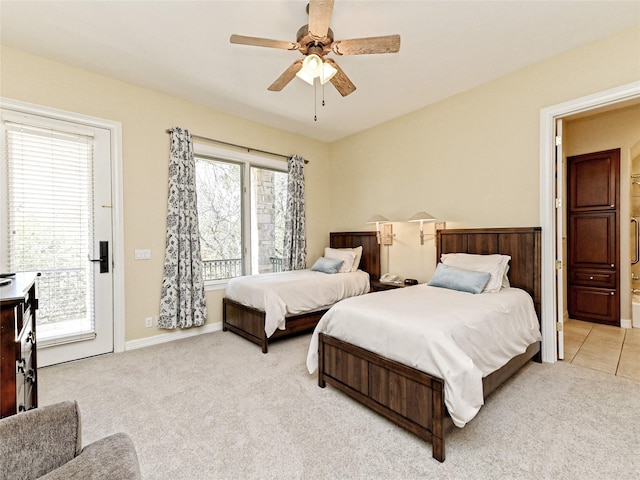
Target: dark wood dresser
column 18, row 365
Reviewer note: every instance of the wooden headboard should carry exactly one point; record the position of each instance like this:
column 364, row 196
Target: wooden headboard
column 523, row 244
column 370, row 261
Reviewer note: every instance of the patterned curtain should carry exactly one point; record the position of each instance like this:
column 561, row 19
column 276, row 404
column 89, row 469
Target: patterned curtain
column 182, row 303
column 295, row 234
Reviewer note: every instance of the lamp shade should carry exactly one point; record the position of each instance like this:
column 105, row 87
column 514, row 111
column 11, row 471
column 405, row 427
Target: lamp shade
column 328, row 71
column 422, row 217
column 312, row 67
column 378, row 219
column 305, row 76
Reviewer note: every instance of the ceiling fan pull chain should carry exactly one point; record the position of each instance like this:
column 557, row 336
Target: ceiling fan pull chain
column 315, row 102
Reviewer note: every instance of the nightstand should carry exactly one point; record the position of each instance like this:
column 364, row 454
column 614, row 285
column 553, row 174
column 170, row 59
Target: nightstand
column 378, row 286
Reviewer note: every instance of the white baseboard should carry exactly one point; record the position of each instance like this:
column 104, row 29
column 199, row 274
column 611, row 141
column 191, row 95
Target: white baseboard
column 170, row 337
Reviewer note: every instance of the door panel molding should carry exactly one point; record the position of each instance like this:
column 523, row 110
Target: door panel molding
column 598, row 232
column 602, row 195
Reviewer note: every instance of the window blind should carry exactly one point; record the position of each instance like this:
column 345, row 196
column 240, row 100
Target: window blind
column 49, row 176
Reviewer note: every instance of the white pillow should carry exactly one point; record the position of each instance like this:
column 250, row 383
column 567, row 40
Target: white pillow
column 497, row 265
column 356, row 261
column 505, row 279
column 347, row 257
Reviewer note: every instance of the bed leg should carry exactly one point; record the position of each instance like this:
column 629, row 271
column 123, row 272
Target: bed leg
column 439, row 413
column 224, row 316
column 265, row 340
column 321, row 382
column 438, row 448
column 537, row 357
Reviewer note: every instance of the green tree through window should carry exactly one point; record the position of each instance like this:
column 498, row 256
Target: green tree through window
column 222, row 211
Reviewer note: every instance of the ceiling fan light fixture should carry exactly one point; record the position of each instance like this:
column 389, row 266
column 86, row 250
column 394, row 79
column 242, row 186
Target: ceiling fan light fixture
column 305, row 76
column 328, row 71
column 311, row 68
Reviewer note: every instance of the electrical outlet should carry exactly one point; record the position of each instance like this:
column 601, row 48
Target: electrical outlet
column 148, row 322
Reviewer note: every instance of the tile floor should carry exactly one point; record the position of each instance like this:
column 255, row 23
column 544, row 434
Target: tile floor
column 601, row 347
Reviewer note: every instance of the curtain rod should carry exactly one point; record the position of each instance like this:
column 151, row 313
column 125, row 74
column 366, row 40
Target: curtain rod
column 248, row 149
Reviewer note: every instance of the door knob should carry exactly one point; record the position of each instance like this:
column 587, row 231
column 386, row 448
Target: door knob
column 104, row 257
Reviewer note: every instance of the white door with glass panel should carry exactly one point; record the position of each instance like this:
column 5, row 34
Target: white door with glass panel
column 56, row 220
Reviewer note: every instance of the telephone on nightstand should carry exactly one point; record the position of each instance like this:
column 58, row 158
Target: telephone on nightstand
column 390, row 278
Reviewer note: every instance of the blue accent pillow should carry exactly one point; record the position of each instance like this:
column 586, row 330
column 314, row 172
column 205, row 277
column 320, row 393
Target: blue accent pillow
column 460, row 279
column 327, row 265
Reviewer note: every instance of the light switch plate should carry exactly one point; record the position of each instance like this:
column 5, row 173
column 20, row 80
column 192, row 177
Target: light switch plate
column 142, row 254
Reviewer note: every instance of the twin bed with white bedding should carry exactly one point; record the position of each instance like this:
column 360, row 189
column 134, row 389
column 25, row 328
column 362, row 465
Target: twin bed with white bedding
column 425, row 356
column 265, row 307
column 446, row 333
column 294, row 292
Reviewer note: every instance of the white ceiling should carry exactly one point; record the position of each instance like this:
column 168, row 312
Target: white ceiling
column 182, row 48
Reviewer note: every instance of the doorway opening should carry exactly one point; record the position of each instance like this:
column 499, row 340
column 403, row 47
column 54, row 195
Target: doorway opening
column 552, row 181
column 64, row 177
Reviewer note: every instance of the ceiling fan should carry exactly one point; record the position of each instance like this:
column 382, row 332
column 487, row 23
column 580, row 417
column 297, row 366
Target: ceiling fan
column 316, row 40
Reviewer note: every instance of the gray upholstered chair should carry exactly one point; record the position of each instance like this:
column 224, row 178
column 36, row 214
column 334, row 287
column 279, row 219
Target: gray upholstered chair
column 46, row 443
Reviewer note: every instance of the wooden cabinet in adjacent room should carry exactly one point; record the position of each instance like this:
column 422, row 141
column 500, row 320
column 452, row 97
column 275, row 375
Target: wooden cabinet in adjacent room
column 18, row 364
column 593, row 254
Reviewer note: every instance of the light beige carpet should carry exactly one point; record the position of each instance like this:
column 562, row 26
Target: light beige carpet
column 215, row 407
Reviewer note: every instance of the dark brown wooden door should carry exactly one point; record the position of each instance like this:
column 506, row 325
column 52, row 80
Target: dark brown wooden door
column 593, row 248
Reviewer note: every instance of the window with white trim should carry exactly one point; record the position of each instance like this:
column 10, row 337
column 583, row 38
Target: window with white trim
column 241, row 213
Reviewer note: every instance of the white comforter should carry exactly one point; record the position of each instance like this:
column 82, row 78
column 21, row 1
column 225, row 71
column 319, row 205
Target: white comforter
column 457, row 336
column 294, row 292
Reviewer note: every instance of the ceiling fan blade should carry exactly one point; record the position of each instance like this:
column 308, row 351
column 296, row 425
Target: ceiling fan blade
column 263, row 42
column 284, row 79
column 361, row 46
column 340, row 80
column 319, row 18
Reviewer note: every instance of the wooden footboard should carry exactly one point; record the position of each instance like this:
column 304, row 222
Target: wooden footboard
column 408, row 397
column 249, row 322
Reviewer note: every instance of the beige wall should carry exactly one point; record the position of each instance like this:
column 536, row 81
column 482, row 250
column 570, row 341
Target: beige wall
column 605, row 131
column 145, row 115
column 471, row 160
